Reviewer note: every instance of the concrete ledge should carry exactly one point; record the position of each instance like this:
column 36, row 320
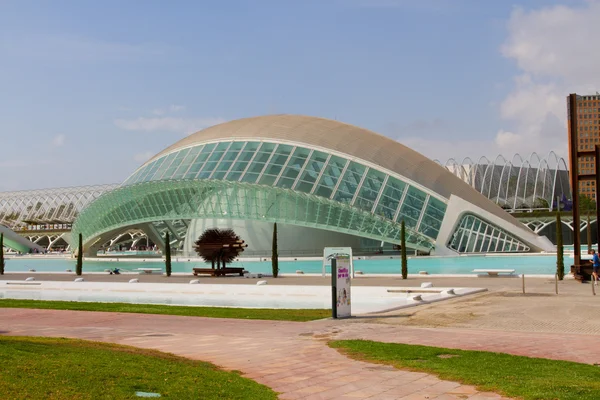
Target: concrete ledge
column 365, row 299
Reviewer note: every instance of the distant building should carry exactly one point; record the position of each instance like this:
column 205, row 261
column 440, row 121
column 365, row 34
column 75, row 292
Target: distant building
column 587, row 136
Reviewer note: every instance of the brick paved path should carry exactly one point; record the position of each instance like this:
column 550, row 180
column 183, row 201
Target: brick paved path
column 290, row 357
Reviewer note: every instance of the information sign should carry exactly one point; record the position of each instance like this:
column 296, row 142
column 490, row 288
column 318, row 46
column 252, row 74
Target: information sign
column 332, row 252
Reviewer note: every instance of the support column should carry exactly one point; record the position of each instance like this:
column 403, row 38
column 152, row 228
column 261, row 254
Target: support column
column 574, row 169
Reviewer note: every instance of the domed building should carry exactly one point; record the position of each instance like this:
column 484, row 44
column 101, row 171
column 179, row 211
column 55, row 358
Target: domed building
column 324, row 182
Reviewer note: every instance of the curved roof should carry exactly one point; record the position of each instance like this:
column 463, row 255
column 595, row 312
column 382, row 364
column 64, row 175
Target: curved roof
column 349, row 139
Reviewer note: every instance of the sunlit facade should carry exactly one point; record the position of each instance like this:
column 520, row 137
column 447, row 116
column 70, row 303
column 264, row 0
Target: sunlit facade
column 324, row 182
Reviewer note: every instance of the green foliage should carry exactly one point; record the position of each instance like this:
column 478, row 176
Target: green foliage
column 58, row 368
column 167, row 255
column 541, row 203
column 210, row 312
column 403, row 251
column 513, row 376
column 560, row 263
column 79, row 266
column 222, row 246
column 586, row 205
column 1, row 254
column 275, row 254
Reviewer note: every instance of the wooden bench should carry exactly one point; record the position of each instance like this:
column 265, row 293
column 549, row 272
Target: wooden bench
column 218, row 272
column 494, row 272
column 150, row 270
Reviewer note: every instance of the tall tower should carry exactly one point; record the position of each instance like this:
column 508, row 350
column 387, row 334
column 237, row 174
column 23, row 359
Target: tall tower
column 585, row 135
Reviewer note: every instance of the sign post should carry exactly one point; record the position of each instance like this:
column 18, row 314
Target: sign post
column 341, row 298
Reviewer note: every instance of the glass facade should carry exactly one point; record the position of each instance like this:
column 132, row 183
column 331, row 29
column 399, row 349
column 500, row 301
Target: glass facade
column 474, row 235
column 305, row 170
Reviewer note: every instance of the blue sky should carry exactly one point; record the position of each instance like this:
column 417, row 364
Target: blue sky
column 89, row 90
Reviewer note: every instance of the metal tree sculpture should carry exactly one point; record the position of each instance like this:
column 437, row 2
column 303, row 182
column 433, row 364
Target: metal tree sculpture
column 220, row 246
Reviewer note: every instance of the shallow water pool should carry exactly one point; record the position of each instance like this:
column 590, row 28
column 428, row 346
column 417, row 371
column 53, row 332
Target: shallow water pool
column 541, row 264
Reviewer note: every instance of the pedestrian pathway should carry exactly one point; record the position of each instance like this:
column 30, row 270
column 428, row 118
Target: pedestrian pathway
column 286, row 356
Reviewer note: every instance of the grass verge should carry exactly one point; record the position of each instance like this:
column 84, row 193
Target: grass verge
column 512, row 376
column 49, row 368
column 212, row 312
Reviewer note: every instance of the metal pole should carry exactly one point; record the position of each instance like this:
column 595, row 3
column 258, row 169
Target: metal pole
column 333, row 288
column 556, row 283
column 574, row 158
column 523, row 276
column 597, row 179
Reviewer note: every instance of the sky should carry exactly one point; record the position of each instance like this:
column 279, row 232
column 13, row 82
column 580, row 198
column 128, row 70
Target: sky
column 90, row 90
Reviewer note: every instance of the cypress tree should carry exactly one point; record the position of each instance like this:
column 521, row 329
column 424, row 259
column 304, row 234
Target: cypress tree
column 79, row 266
column 403, row 251
column 560, row 264
column 275, row 255
column 167, row 255
column 1, row 254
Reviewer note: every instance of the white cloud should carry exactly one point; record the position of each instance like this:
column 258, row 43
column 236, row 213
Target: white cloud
column 169, row 124
column 554, row 48
column 143, row 157
column 58, row 140
column 507, row 139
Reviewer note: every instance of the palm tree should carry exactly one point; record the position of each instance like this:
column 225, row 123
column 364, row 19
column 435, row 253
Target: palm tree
column 220, row 246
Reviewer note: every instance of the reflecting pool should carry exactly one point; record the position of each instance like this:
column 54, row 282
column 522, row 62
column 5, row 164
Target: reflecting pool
column 539, row 264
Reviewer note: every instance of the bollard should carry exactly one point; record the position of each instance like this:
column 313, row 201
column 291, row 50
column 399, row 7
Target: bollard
column 523, row 276
column 556, row 283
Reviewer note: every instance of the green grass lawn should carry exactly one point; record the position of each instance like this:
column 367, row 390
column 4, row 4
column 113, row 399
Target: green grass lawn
column 513, row 376
column 213, row 312
column 43, row 368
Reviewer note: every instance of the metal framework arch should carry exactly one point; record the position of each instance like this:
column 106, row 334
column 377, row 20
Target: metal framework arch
column 190, row 199
column 519, row 183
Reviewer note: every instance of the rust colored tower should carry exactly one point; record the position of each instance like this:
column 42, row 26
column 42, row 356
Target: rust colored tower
column 584, row 165
column 584, row 134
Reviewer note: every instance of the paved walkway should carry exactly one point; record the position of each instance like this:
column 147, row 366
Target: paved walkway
column 286, row 356
column 290, row 357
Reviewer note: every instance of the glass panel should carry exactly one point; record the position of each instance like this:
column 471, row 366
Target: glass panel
column 199, row 161
column 150, row 170
column 391, row 196
column 166, row 164
column 349, row 183
column 370, row 190
column 432, row 219
column 242, row 161
column 311, row 171
column 275, row 166
column 227, row 160
column 258, row 163
column 412, row 206
column 293, row 168
column 330, row 176
column 487, row 238
column 187, row 161
column 176, row 163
